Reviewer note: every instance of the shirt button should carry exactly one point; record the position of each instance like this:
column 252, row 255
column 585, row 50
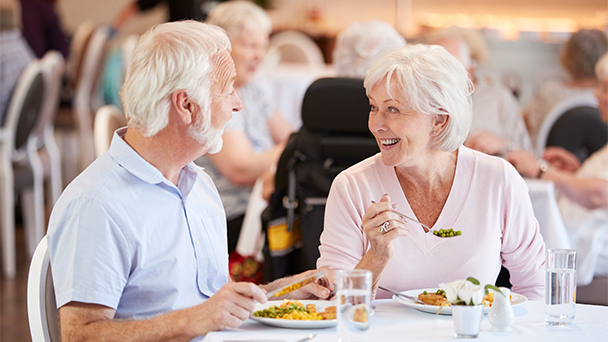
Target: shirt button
column 196, row 242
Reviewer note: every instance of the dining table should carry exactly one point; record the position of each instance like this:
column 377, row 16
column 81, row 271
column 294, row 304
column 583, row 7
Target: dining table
column 393, row 321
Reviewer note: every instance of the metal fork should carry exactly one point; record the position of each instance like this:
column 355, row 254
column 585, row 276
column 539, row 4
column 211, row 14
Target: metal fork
column 413, row 299
column 424, row 226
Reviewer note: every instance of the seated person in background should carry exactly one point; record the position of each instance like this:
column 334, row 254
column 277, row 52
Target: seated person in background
column 255, row 137
column 360, row 43
column 138, row 240
column 578, row 57
column 42, row 27
column 420, row 115
column 497, row 125
column 15, row 55
column 178, row 10
column 583, row 189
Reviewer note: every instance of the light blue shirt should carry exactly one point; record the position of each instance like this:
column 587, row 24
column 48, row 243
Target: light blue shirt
column 123, row 236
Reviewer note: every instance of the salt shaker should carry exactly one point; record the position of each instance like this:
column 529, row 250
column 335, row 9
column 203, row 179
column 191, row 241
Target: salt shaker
column 501, row 314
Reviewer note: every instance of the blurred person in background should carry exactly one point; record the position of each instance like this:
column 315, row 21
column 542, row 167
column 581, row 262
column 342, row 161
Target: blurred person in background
column 255, row 137
column 360, row 43
column 497, row 125
column 577, row 57
column 178, row 10
column 42, row 27
column 583, row 190
column 15, row 54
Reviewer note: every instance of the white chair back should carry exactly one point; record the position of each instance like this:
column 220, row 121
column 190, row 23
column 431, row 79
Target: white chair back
column 41, row 305
column 555, row 113
column 107, row 120
column 23, row 113
column 85, row 102
column 296, row 47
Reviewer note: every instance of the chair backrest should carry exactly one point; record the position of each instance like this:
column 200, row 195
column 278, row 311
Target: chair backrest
column 24, row 108
column 580, row 130
column 554, row 114
column 86, row 100
column 79, row 42
column 41, row 306
column 296, row 47
column 53, row 66
column 333, row 137
column 107, row 120
column 127, row 51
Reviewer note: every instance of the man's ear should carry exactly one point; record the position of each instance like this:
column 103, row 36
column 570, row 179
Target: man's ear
column 183, row 106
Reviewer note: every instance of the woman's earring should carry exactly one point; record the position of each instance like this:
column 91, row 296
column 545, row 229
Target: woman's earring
column 434, row 132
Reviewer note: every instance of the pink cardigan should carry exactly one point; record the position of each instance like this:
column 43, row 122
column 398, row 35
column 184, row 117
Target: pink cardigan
column 488, row 202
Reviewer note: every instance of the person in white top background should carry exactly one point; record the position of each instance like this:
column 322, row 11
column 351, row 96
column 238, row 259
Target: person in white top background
column 583, row 191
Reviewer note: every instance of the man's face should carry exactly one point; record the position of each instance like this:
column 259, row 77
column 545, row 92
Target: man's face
column 224, row 100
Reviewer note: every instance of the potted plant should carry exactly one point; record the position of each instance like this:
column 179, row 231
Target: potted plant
column 466, row 298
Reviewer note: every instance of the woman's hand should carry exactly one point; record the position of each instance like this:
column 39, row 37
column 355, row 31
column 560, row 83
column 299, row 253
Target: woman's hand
column 561, row 159
column 382, row 226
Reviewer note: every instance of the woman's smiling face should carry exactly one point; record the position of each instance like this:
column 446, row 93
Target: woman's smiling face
column 402, row 134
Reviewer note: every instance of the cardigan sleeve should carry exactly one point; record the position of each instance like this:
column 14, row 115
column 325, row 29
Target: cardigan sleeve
column 523, row 248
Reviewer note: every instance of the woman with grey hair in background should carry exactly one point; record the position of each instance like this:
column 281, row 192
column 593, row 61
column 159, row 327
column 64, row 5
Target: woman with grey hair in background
column 255, row 137
column 360, row 43
column 420, row 114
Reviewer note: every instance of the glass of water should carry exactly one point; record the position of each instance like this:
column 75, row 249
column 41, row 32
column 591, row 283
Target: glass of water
column 560, row 286
column 353, row 296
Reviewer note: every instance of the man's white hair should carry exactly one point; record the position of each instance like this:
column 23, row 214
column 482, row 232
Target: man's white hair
column 169, row 57
column 238, row 17
column 431, row 81
column 360, row 43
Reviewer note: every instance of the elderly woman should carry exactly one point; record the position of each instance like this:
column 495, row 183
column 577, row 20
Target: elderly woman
column 255, row 137
column 577, row 57
column 360, row 43
column 583, row 188
column 420, row 115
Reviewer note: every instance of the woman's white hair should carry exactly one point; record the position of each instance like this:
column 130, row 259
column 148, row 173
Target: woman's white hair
column 601, row 68
column 167, row 58
column 238, row 17
column 360, row 43
column 431, row 81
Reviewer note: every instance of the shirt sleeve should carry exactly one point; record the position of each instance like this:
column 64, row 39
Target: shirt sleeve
column 89, row 254
column 523, row 248
column 343, row 220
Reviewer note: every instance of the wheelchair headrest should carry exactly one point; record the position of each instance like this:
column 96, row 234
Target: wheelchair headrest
column 337, row 105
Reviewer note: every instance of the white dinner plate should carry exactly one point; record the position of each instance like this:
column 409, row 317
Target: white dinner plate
column 286, row 323
column 291, row 324
column 515, row 297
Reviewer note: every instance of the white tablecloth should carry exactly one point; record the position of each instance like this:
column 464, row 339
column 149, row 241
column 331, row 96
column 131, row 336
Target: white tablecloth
column 552, row 228
column 395, row 322
column 289, row 82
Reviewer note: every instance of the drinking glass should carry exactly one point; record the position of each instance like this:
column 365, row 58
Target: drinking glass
column 353, row 296
column 560, row 286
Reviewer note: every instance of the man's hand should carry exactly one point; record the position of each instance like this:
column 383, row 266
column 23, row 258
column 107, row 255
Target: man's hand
column 227, row 308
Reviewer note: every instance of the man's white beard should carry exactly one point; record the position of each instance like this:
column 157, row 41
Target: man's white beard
column 211, row 139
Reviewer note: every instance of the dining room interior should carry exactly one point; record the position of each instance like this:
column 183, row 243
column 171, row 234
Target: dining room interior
column 523, row 40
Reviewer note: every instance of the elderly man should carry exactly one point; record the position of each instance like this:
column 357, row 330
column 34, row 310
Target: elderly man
column 138, row 241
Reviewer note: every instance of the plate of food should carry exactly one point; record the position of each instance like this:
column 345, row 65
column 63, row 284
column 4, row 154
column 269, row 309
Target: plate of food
column 303, row 314
column 433, row 300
